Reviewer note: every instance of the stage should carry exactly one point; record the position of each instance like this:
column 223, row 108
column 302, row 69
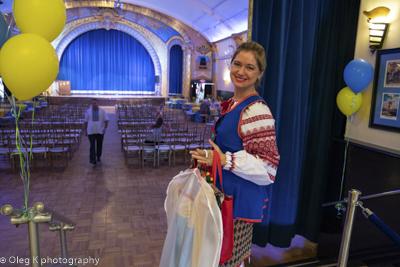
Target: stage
column 103, row 100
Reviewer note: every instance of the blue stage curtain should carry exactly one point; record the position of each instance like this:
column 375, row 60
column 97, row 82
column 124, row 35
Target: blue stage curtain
column 308, row 44
column 175, row 70
column 107, row 62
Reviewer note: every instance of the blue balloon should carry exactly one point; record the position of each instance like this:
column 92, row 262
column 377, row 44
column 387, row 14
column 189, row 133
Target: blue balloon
column 358, row 74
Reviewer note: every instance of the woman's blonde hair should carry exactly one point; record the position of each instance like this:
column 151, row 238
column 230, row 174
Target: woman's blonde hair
column 259, row 53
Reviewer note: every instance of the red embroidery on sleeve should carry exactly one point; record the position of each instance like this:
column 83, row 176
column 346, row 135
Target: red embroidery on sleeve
column 257, row 118
column 271, row 177
column 265, row 148
column 232, row 163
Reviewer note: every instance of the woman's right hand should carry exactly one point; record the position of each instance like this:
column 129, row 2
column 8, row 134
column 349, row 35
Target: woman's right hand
column 207, row 158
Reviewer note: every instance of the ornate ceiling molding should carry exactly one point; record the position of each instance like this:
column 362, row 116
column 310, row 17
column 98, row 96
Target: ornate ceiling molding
column 137, row 10
column 108, row 18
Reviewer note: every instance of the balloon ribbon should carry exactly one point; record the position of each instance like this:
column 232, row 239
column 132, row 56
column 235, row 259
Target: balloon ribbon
column 340, row 206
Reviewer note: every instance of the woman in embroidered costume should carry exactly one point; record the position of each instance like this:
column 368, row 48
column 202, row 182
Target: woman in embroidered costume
column 244, row 137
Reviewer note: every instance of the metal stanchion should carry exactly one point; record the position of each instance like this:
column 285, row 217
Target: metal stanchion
column 35, row 215
column 353, row 199
column 32, row 219
column 34, row 240
column 63, row 240
column 62, row 227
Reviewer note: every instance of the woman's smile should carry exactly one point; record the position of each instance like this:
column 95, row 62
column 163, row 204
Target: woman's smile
column 240, row 80
column 245, row 71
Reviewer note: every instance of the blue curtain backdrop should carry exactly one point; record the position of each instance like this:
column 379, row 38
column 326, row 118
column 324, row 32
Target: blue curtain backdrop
column 175, row 70
column 308, row 44
column 107, row 62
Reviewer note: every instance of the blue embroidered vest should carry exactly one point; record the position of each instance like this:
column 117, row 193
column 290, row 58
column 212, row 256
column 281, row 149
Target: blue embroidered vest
column 249, row 199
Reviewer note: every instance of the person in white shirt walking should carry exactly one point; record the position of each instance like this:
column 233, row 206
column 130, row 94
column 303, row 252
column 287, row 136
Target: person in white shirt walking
column 96, row 123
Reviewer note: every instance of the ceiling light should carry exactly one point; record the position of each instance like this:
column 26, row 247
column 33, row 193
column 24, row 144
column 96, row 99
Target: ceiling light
column 118, row 5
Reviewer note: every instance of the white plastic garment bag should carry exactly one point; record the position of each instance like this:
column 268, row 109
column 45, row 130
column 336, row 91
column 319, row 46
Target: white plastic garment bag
column 194, row 237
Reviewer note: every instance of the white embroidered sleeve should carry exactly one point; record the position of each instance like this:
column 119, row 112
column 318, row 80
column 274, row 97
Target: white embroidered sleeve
column 259, row 160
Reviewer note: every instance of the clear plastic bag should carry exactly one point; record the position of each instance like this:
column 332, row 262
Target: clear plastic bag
column 194, row 236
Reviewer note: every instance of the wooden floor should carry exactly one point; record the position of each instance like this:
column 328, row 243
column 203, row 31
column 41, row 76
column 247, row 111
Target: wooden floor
column 119, row 211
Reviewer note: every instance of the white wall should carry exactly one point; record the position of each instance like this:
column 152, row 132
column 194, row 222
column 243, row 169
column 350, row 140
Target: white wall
column 359, row 130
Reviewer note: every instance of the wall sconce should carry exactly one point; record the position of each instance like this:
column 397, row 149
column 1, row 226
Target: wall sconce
column 378, row 13
column 378, row 29
column 377, row 33
column 226, row 78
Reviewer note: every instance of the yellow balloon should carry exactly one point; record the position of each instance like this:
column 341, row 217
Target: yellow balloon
column 28, row 65
column 348, row 102
column 42, row 17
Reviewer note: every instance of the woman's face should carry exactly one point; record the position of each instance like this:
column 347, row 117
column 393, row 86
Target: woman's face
column 245, row 71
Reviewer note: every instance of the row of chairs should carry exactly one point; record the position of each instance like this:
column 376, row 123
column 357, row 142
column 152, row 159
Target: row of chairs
column 180, row 127
column 44, row 147
column 169, row 145
column 164, row 146
column 53, row 134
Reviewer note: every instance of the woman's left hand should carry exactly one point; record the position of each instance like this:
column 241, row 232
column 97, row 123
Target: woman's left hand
column 207, row 158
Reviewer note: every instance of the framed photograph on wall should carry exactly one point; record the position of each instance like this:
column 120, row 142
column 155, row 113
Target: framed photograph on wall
column 386, row 91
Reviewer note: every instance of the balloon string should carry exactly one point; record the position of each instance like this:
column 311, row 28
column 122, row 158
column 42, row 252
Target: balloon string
column 22, row 152
column 9, row 29
column 349, row 121
column 30, row 151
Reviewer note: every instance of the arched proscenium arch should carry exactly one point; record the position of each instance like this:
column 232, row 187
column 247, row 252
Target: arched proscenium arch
column 171, row 22
column 175, row 40
column 69, row 37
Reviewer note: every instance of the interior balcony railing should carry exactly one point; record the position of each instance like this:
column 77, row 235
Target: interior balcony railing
column 354, row 200
column 41, row 214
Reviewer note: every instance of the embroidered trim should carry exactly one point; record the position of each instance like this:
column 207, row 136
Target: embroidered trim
column 259, row 134
column 227, row 106
column 232, row 162
column 271, row 177
column 265, row 148
column 241, row 116
column 228, row 160
column 258, row 118
column 230, row 101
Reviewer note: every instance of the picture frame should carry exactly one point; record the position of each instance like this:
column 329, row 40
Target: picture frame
column 386, row 91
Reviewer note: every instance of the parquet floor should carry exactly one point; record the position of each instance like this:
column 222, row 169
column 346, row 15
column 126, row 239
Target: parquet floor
column 119, row 211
